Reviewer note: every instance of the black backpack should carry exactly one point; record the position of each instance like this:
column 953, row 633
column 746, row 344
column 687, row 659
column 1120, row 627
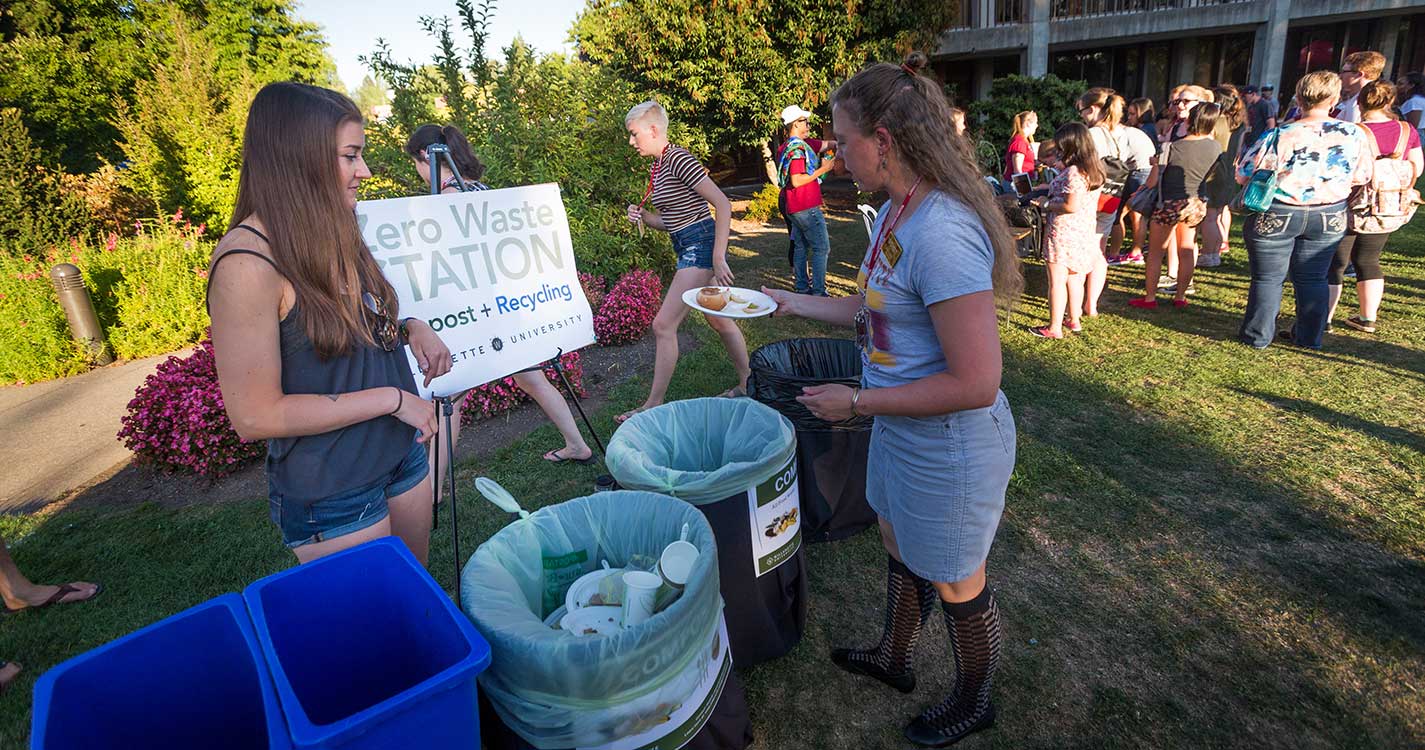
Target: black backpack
column 1115, row 178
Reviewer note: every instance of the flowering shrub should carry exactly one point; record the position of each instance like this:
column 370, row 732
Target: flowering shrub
column 502, row 395
column 176, row 419
column 629, row 308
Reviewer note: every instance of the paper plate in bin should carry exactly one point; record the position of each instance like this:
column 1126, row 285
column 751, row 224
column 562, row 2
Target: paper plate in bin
column 735, row 459
column 559, row 691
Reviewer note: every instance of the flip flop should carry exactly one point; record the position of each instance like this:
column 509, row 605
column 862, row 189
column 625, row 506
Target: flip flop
column 64, row 590
column 558, row 459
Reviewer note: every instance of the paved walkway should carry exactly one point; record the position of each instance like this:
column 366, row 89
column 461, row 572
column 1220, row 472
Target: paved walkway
column 60, row 434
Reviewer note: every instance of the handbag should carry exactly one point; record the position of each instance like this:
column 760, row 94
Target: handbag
column 1259, row 192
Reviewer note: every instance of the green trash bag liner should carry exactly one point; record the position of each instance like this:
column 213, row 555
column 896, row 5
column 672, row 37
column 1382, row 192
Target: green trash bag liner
column 557, row 690
column 701, row 450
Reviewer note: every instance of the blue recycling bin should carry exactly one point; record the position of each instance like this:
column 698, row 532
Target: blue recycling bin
column 194, row 680
column 367, row 651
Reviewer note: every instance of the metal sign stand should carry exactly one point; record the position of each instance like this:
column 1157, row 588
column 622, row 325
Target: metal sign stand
column 445, row 405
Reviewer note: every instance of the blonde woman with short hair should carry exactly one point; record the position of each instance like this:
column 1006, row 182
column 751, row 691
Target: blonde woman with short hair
column 680, row 192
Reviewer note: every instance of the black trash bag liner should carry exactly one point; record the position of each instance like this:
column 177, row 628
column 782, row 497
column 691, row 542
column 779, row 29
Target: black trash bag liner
column 831, row 457
column 728, row 728
column 781, row 369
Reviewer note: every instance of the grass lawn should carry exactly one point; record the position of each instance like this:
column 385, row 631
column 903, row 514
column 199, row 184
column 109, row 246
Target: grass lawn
column 1203, row 546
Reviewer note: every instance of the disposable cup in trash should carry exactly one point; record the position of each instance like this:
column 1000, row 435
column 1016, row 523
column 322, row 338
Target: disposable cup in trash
column 641, row 590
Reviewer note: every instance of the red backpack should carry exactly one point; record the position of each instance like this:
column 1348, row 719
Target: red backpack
column 1388, row 201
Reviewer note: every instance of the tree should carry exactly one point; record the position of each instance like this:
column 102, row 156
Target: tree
column 37, row 212
column 369, row 95
column 1050, row 97
column 728, row 68
column 68, row 64
column 182, row 136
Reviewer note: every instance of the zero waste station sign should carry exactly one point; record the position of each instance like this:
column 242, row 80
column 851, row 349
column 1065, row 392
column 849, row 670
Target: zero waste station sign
column 491, row 271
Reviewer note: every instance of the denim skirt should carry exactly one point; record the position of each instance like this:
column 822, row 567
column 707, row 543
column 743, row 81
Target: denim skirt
column 940, row 482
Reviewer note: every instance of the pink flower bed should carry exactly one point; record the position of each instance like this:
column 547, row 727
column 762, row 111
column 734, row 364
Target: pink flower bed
column 176, row 419
column 629, row 308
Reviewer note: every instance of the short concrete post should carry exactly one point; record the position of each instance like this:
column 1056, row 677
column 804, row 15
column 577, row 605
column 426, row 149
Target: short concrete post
column 79, row 309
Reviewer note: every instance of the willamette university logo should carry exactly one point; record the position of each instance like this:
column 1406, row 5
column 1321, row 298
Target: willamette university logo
column 497, row 344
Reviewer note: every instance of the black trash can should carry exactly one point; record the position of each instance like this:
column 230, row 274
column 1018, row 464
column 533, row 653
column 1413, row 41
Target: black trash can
column 735, row 460
column 831, row 458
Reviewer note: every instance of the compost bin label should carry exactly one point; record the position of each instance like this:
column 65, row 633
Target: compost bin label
column 775, row 511
column 491, row 271
column 682, row 723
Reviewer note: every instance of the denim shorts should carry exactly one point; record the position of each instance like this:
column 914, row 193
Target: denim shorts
column 347, row 512
column 940, row 482
column 693, row 245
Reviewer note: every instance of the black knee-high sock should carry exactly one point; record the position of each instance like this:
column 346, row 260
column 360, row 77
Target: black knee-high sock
column 910, row 600
column 975, row 641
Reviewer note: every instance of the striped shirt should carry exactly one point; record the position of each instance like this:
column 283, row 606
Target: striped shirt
column 675, row 175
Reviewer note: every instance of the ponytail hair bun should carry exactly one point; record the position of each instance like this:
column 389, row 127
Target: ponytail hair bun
column 915, row 62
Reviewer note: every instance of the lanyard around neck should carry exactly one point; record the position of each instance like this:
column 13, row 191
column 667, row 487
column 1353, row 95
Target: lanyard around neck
column 653, row 173
column 886, row 230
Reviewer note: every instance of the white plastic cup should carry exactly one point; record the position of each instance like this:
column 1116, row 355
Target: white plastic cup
column 675, row 565
column 641, row 588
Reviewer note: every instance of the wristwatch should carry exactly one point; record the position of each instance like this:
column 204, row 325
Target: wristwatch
column 405, row 332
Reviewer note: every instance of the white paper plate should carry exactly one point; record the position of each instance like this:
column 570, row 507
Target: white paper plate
column 588, row 584
column 601, row 620
column 765, row 305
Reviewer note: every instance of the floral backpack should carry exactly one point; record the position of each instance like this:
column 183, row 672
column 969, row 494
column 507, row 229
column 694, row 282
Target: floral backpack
column 1389, row 200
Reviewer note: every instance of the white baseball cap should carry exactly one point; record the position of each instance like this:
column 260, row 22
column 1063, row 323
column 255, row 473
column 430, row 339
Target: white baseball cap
column 793, row 113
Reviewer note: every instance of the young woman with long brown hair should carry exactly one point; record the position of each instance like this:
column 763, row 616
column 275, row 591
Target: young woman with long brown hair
column 307, row 336
column 532, row 382
column 943, row 443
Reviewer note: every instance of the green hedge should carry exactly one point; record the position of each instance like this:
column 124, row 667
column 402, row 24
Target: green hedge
column 148, row 291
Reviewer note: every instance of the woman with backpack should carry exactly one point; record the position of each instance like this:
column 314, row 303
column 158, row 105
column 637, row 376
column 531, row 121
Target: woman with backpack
column 1220, row 188
column 1298, row 177
column 1398, row 164
column 1119, row 150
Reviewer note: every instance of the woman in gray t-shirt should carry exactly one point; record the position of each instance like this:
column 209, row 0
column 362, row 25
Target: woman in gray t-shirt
column 943, row 442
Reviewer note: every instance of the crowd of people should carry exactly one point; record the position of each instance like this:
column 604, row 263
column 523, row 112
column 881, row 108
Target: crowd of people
column 1332, row 177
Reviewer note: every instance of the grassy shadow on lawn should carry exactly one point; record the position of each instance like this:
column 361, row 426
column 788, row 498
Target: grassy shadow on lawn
column 1203, row 546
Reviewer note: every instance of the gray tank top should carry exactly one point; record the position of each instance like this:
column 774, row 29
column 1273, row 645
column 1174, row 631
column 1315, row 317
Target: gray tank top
column 306, row 469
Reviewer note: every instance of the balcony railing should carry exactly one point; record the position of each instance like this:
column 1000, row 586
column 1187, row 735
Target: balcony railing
column 1084, row 8
column 1009, row 12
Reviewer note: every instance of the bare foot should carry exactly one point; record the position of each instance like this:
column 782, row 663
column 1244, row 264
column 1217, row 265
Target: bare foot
column 43, row 596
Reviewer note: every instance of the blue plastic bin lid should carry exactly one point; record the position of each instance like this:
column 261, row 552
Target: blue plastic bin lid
column 57, row 688
column 430, row 613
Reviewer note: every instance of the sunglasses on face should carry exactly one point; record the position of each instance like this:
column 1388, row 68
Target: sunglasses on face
column 1181, row 102
column 385, row 331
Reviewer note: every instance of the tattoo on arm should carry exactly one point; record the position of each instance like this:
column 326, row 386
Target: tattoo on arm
column 333, row 396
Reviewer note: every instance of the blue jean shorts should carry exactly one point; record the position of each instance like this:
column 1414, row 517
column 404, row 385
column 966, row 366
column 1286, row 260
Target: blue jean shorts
column 693, row 245
column 940, row 482
column 347, row 512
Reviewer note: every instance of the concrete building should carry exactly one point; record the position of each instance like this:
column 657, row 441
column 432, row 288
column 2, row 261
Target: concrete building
column 1145, row 47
